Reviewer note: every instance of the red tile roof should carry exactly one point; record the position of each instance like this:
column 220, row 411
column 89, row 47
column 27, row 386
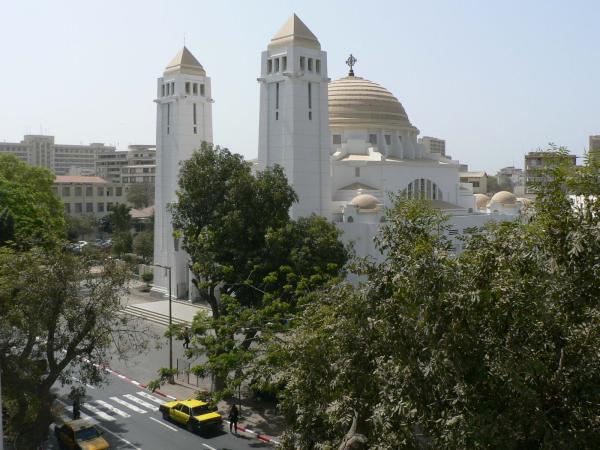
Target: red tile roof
column 79, row 179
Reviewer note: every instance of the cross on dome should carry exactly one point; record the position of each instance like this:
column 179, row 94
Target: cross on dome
column 350, row 62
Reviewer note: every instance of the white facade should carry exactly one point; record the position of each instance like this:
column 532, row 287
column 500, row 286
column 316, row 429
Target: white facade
column 294, row 129
column 183, row 122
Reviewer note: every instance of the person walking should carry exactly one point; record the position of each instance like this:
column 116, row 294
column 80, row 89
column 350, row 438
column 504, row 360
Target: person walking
column 186, row 337
column 233, row 418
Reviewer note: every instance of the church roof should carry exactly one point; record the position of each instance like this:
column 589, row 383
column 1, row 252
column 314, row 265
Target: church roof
column 185, row 62
column 294, row 31
column 356, row 186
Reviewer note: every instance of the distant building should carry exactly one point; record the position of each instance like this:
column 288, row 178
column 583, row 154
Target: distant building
column 477, row 179
column 594, row 149
column 434, row 145
column 109, row 165
column 141, row 165
column 62, row 159
column 534, row 163
column 513, row 176
column 88, row 195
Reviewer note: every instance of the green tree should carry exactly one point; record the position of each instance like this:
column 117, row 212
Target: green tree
column 81, row 322
column 141, row 195
column 143, row 245
column 79, row 226
column 495, row 348
column 7, row 227
column 236, row 229
column 119, row 218
column 122, row 243
column 26, row 193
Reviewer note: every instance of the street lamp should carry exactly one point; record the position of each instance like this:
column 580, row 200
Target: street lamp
column 168, row 269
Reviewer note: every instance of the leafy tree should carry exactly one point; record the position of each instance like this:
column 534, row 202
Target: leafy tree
column 81, row 322
column 236, row 229
column 122, row 243
column 26, row 193
column 79, row 226
column 7, row 227
column 495, row 348
column 119, row 218
column 141, row 195
column 143, row 245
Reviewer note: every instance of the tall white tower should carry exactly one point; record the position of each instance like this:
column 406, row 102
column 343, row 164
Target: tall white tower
column 294, row 123
column 183, row 121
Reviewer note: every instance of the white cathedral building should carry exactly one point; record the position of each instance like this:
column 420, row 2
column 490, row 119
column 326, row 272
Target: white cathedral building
column 345, row 145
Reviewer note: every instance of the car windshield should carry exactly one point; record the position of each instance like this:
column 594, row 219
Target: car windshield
column 199, row 410
column 85, row 434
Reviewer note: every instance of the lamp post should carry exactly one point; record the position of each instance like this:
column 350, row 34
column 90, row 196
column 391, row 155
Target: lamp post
column 168, row 269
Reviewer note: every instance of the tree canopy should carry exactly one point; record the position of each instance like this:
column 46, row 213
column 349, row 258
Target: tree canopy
column 141, row 195
column 494, row 348
column 26, row 196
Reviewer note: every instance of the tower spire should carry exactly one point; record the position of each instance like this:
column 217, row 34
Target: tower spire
column 350, row 62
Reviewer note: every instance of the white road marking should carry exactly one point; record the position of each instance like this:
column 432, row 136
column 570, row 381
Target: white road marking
column 128, row 405
column 111, row 408
column 82, row 414
column 150, row 397
column 147, row 405
column 164, row 424
column 118, row 437
column 135, row 382
column 101, row 414
column 209, row 447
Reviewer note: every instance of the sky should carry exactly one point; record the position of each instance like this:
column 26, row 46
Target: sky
column 495, row 79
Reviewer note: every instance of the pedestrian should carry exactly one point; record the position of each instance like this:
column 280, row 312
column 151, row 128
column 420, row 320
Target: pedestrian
column 233, row 418
column 76, row 410
column 186, row 338
column 76, row 394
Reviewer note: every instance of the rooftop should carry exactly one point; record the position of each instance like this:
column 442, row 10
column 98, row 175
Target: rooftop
column 79, row 179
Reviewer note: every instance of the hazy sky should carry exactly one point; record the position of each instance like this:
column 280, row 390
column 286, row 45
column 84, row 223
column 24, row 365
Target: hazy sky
column 494, row 79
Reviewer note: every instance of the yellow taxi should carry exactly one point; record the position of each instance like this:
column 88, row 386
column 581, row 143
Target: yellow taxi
column 194, row 414
column 80, row 435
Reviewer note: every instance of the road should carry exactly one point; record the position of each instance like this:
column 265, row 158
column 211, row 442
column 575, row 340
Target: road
column 128, row 415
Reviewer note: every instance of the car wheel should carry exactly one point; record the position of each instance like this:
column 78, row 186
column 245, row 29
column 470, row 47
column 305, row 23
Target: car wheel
column 165, row 415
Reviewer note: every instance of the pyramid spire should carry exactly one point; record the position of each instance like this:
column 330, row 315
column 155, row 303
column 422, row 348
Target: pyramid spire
column 185, row 62
column 294, row 31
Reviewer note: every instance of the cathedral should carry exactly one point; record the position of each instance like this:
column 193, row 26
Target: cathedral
column 345, row 145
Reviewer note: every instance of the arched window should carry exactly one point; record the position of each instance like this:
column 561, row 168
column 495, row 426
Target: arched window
column 423, row 188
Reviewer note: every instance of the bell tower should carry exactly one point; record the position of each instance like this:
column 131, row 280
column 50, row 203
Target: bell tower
column 183, row 121
column 294, row 122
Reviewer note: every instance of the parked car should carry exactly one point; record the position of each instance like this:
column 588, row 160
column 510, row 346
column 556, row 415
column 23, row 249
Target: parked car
column 80, row 434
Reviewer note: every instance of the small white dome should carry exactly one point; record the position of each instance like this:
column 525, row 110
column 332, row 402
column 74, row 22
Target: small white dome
column 504, row 198
column 365, row 201
column 481, row 200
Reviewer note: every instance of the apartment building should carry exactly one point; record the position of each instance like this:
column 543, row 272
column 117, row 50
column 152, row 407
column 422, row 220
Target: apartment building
column 88, row 195
column 535, row 162
column 434, row 145
column 141, row 165
column 477, row 179
column 109, row 165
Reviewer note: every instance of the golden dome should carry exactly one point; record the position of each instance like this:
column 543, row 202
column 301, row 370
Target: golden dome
column 505, row 198
column 481, row 200
column 359, row 103
column 365, row 201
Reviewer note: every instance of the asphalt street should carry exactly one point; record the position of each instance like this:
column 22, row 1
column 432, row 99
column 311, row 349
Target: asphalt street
column 129, row 419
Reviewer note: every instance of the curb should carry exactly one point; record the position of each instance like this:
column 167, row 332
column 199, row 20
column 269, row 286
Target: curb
column 262, row 437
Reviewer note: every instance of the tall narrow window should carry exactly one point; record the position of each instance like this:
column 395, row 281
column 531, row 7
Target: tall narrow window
column 202, row 90
column 318, row 65
column 388, row 139
column 302, row 62
column 310, row 64
column 162, row 90
column 357, row 171
column 172, row 87
column 309, row 96
column 187, row 87
column 195, row 123
column 168, row 118
column 373, row 139
column 276, row 95
column 284, row 63
column 276, row 64
column 269, row 65
column 195, row 88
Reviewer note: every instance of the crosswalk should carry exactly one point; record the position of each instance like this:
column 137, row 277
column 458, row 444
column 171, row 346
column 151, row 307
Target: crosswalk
column 123, row 406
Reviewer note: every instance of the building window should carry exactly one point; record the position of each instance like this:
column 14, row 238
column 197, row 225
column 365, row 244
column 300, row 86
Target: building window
column 318, row 65
column 276, row 115
column 109, row 192
column 78, row 208
column 100, row 192
column 172, row 87
column 109, row 206
column 89, row 207
column 125, row 179
column 202, row 90
column 400, row 137
column 276, row 95
column 67, row 208
column 194, row 113
column 337, row 139
column 195, row 88
column 309, row 95
column 302, row 62
column 475, row 184
column 119, row 192
column 310, row 64
column 89, row 190
column 284, row 63
column 269, row 66
column 187, row 87
column 373, row 139
column 276, row 64
column 388, row 139
column 357, row 171
column 162, row 90
column 146, row 170
column 77, row 191
column 100, row 207
column 66, row 191
column 176, row 244
column 168, row 118
column 310, row 115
